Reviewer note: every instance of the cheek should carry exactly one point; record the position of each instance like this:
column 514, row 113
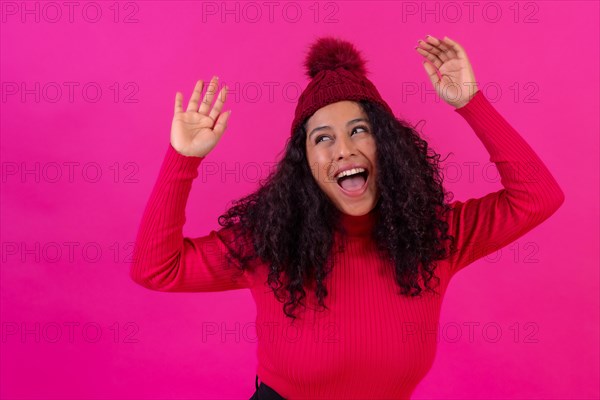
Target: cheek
column 372, row 148
column 372, row 154
column 319, row 164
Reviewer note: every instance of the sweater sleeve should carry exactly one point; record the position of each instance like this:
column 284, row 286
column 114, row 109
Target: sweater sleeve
column 163, row 259
column 530, row 194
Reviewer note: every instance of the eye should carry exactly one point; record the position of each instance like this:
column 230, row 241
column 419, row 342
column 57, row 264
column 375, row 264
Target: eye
column 319, row 138
column 364, row 128
column 360, row 127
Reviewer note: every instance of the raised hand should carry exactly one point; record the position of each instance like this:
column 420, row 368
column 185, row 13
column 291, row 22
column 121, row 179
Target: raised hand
column 197, row 131
column 456, row 81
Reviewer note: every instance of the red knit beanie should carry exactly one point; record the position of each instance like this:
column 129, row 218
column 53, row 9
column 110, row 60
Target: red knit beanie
column 337, row 72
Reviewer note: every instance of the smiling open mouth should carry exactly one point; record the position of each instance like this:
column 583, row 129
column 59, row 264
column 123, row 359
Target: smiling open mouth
column 353, row 180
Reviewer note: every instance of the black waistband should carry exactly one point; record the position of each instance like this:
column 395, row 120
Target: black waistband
column 265, row 392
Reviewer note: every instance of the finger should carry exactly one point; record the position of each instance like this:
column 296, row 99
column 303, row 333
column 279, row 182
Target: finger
column 432, row 73
column 221, row 98
column 448, row 50
column 432, row 39
column 221, row 124
column 432, row 46
column 178, row 102
column 209, row 95
column 431, row 57
column 193, row 103
column 460, row 52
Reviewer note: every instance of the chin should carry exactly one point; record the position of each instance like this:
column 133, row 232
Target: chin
column 356, row 211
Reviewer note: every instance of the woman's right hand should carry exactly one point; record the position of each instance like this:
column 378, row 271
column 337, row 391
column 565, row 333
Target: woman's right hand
column 196, row 131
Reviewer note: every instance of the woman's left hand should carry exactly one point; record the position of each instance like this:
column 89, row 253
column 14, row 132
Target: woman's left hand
column 457, row 83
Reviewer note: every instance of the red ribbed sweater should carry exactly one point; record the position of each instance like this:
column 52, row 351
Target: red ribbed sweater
column 372, row 342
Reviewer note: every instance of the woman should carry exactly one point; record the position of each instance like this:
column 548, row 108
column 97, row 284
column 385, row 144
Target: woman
column 349, row 245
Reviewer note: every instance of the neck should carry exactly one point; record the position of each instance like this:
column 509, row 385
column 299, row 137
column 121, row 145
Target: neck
column 361, row 225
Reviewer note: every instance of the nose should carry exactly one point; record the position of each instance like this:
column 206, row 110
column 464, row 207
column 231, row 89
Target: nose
column 345, row 147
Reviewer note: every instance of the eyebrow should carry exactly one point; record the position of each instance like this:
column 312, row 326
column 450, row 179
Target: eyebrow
column 324, row 127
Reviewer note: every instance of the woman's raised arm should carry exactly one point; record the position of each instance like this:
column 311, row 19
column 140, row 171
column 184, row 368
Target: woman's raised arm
column 530, row 194
column 163, row 259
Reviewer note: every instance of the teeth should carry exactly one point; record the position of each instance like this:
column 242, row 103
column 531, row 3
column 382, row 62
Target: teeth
column 350, row 172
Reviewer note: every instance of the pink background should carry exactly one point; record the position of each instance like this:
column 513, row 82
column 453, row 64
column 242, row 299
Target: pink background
column 77, row 169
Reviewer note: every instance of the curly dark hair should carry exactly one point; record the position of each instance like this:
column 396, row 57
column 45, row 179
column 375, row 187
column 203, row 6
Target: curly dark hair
column 291, row 227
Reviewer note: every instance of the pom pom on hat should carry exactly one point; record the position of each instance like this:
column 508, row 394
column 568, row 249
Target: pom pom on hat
column 329, row 53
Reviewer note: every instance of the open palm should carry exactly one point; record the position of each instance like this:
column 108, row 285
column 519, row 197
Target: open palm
column 456, row 83
column 196, row 131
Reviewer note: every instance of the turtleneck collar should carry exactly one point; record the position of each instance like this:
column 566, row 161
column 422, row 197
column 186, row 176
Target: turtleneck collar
column 361, row 225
